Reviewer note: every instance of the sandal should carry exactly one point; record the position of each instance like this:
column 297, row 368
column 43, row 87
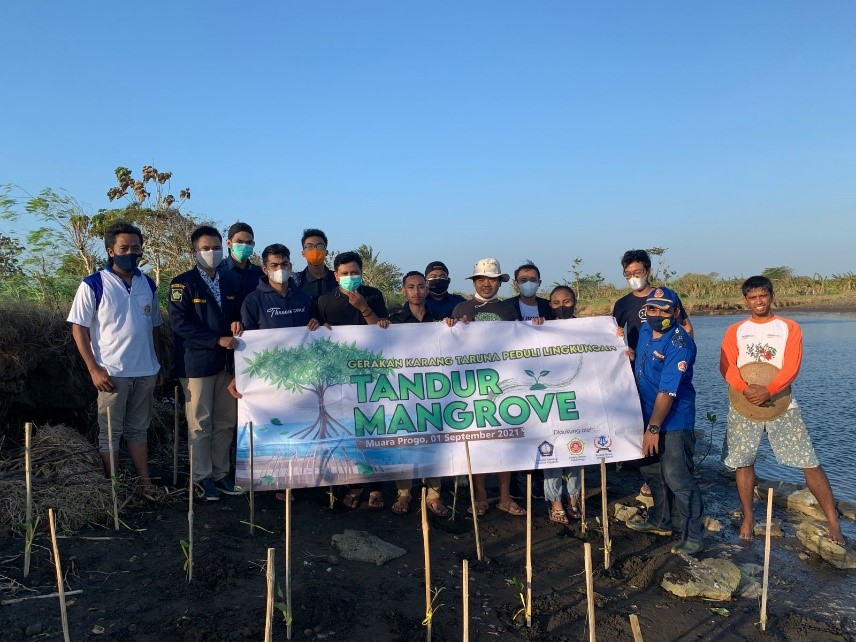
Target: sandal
column 511, row 508
column 558, row 515
column 573, row 512
column 401, row 505
column 352, row 498
column 437, row 507
column 375, row 500
column 481, row 508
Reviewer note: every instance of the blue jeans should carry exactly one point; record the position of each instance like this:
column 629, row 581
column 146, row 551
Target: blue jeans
column 670, row 478
column 553, row 483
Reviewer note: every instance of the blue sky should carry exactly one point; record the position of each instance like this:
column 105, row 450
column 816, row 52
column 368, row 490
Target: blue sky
column 457, row 130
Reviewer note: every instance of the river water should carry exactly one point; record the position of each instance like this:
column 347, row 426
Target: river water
column 825, row 390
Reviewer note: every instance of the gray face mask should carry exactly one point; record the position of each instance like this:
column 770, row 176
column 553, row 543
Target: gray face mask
column 528, row 288
column 209, row 259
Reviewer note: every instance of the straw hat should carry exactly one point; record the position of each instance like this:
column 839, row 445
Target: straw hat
column 761, row 374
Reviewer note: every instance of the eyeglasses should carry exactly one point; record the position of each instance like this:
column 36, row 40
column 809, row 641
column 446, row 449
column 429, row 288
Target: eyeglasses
column 636, row 273
column 315, row 246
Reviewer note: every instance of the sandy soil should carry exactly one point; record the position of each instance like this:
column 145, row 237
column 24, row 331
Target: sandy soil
column 134, row 586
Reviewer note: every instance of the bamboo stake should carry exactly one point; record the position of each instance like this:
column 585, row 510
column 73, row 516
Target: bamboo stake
column 529, row 550
column 607, row 544
column 766, row 559
column 635, row 628
column 429, row 613
column 583, row 499
column 466, row 578
column 60, row 587
column 269, row 602
column 190, row 517
column 289, row 617
column 28, row 544
column 590, row 592
column 112, row 471
column 17, row 600
column 454, row 499
column 252, row 483
column 175, row 440
column 473, row 502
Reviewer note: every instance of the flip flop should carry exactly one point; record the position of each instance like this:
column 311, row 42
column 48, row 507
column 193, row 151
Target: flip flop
column 511, row 508
column 401, row 506
column 375, row 500
column 481, row 508
column 352, row 498
column 573, row 512
column 558, row 515
column 438, row 507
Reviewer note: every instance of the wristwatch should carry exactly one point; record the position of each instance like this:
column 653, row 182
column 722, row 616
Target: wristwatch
column 653, row 429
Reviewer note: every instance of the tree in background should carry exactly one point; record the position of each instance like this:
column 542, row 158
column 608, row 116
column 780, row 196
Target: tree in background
column 10, row 255
column 780, row 272
column 382, row 275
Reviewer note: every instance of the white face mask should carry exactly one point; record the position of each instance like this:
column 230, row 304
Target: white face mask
column 279, row 276
column 637, row 282
column 528, row 288
column 209, row 259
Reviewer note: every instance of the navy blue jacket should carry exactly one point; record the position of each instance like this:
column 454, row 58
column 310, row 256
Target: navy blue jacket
column 198, row 323
column 266, row 308
column 244, row 281
column 544, row 308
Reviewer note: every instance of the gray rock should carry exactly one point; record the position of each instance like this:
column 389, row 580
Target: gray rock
column 362, row 546
column 33, row 629
column 713, row 579
column 804, row 502
column 813, row 537
column 752, row 590
column 775, row 529
column 848, row 509
column 625, row 513
column 712, row 525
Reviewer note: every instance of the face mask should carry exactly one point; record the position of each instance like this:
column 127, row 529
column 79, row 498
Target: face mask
column 279, row 276
column 527, row 289
column 564, row 312
column 315, row 256
column 350, row 283
column 438, row 286
column 659, row 324
column 637, row 282
column 242, row 251
column 209, row 259
column 126, row 262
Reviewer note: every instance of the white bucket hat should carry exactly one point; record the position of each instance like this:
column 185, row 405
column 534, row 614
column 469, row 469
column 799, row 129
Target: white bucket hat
column 488, row 267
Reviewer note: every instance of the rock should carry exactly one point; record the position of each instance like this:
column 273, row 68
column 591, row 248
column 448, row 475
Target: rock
column 752, row 590
column 712, row 525
column 749, row 575
column 848, row 509
column 813, row 537
column 33, row 629
column 712, row 579
column 775, row 529
column 625, row 513
column 804, row 502
column 362, row 546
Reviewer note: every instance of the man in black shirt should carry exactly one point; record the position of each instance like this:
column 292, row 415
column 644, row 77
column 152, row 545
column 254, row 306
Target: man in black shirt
column 315, row 279
column 237, row 267
column 439, row 302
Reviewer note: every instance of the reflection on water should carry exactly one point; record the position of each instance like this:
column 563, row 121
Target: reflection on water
column 825, row 390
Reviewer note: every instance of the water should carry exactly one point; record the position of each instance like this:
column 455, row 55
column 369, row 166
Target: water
column 825, row 390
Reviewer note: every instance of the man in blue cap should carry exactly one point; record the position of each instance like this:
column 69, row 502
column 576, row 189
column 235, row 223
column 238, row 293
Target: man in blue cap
column 665, row 356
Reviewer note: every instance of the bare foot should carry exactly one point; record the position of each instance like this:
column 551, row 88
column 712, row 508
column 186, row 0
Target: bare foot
column 747, row 531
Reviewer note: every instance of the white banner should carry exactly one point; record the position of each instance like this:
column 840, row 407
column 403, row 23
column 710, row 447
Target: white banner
column 362, row 403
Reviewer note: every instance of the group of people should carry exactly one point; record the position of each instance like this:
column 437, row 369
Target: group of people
column 116, row 319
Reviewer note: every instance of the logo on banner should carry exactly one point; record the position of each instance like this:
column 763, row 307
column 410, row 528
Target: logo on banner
column 545, row 449
column 603, row 443
column 576, row 447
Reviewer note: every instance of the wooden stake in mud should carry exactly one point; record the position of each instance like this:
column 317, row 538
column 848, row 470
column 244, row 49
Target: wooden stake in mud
column 289, row 618
column 28, row 543
column 607, row 544
column 454, row 499
column 529, row 550
column 429, row 613
column 112, row 471
column 473, row 502
column 269, row 602
column 635, row 628
column 190, row 493
column 60, row 586
column 175, row 439
column 252, row 483
column 590, row 592
column 766, row 559
column 583, row 499
column 466, row 590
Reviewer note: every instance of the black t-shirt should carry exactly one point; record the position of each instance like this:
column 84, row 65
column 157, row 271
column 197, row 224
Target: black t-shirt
column 406, row 316
column 334, row 308
column 629, row 311
column 493, row 310
column 315, row 287
column 445, row 306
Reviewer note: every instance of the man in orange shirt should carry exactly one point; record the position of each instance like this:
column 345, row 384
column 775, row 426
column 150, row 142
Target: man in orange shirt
column 768, row 338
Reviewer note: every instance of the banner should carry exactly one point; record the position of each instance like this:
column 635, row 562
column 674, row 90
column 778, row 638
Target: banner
column 362, row 403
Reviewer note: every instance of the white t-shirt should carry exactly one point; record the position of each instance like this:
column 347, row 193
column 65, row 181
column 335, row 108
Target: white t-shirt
column 527, row 311
column 120, row 329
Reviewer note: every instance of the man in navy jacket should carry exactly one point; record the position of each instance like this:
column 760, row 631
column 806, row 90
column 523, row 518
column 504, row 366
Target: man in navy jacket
column 204, row 318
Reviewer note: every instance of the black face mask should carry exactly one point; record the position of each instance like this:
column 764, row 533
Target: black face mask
column 438, row 286
column 659, row 324
column 126, row 262
column 565, row 312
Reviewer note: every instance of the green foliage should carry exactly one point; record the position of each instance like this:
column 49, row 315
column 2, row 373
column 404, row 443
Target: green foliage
column 382, row 275
column 10, row 256
column 779, row 272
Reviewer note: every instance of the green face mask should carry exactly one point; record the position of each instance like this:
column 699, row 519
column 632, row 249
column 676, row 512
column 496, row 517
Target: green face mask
column 242, row 251
column 350, row 283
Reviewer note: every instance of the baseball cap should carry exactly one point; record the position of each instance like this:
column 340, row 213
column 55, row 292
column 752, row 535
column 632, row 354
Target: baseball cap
column 488, row 267
column 436, row 265
column 663, row 298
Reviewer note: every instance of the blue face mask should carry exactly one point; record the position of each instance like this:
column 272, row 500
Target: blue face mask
column 242, row 251
column 659, row 324
column 126, row 262
column 350, row 283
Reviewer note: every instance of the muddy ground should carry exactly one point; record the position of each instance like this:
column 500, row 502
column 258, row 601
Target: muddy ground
column 134, row 587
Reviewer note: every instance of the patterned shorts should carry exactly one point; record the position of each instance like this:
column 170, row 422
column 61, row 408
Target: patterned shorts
column 787, row 434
